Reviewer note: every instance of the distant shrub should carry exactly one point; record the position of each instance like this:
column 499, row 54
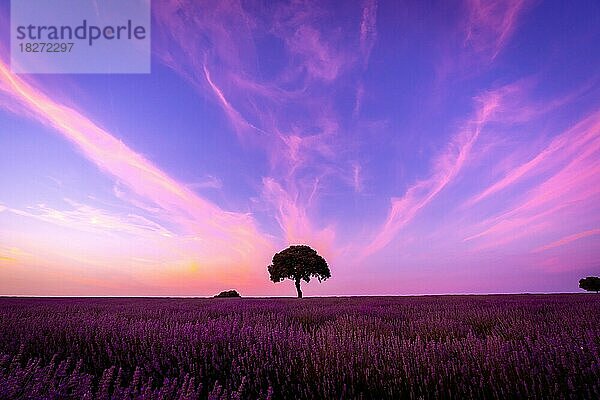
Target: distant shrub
column 591, row 284
column 228, row 293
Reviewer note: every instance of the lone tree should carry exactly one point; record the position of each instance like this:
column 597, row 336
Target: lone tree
column 296, row 263
column 591, row 284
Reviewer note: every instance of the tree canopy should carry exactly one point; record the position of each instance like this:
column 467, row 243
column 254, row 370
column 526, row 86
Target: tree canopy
column 591, row 284
column 299, row 262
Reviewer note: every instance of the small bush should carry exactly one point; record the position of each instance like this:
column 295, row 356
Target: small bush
column 228, row 293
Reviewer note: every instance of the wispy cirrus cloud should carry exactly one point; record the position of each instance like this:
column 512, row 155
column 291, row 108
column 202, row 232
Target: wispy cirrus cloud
column 92, row 219
column 561, row 189
column 446, row 167
column 574, row 144
column 482, row 31
column 318, row 53
column 319, row 60
column 368, row 29
column 293, row 218
column 209, row 182
column 239, row 122
column 568, row 239
column 489, row 24
column 286, row 112
column 178, row 203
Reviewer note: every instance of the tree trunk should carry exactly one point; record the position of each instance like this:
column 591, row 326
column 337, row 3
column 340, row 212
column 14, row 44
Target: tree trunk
column 298, row 288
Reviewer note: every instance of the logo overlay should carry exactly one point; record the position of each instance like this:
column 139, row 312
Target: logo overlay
column 80, row 36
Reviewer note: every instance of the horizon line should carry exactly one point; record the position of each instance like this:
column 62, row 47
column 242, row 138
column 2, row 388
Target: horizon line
column 292, row 297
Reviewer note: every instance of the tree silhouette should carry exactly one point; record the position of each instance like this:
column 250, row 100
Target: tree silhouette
column 298, row 263
column 591, row 284
column 228, row 293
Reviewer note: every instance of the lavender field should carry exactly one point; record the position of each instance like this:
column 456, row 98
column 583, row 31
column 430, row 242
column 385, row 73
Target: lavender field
column 506, row 346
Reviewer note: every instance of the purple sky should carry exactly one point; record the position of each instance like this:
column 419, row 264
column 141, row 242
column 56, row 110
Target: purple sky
column 421, row 147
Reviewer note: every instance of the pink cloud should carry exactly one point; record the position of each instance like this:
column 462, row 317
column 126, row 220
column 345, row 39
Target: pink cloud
column 568, row 239
column 191, row 30
column 508, row 231
column 490, row 24
column 357, row 181
column 446, row 168
column 224, row 231
column 484, row 29
column 575, row 143
column 91, row 219
column 318, row 59
column 358, row 101
column 239, row 122
column 572, row 157
column 293, row 219
column 566, row 192
column 516, row 106
column 368, row 29
column 318, row 52
column 209, row 182
column 213, row 49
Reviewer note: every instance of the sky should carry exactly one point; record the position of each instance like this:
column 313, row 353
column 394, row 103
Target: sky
column 420, row 147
